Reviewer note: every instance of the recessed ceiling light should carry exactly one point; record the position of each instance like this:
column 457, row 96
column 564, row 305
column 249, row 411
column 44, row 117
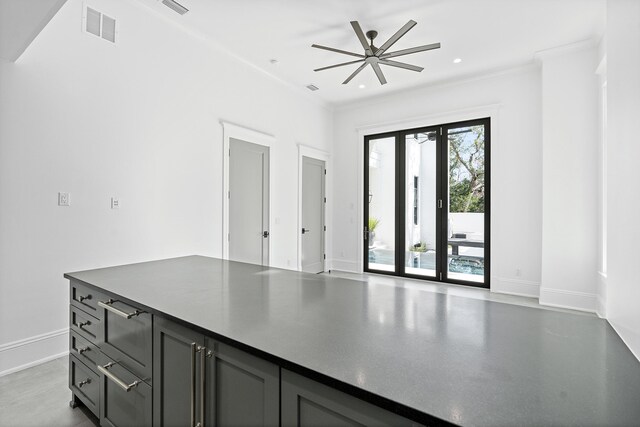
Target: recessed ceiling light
column 361, row 86
column 457, row 61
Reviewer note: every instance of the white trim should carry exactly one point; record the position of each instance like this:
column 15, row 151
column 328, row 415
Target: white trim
column 489, row 110
column 346, row 266
column 314, row 153
column 573, row 300
column 32, row 351
column 525, row 288
column 601, row 295
column 230, row 130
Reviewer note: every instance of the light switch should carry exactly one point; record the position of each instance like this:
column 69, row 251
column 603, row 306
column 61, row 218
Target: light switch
column 64, row 199
column 115, row 203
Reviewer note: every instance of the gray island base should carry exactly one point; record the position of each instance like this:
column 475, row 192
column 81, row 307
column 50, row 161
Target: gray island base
column 198, row 341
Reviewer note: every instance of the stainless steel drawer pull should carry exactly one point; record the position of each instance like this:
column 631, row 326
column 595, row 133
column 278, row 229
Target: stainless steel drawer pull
column 81, row 383
column 105, row 370
column 108, row 306
column 83, row 350
column 83, row 324
column 82, row 298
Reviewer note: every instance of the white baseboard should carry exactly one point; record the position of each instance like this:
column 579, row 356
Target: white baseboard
column 343, row 265
column 573, row 300
column 525, row 288
column 22, row 354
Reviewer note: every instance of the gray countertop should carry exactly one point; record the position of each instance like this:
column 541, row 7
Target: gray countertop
column 466, row 361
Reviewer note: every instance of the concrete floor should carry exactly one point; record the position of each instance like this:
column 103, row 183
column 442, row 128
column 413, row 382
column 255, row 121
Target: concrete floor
column 39, row 396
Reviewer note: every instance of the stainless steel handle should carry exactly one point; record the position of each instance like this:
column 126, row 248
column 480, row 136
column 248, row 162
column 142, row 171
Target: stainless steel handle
column 82, row 298
column 120, row 313
column 81, row 383
column 83, row 350
column 203, row 380
column 194, row 348
column 82, row 324
column 126, row 387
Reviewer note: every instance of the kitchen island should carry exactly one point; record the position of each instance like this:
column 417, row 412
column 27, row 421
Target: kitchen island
column 326, row 349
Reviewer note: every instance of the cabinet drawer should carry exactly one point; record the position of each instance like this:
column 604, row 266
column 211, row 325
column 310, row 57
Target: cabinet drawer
column 85, row 384
column 125, row 400
column 86, row 325
column 127, row 337
column 85, row 351
column 86, row 298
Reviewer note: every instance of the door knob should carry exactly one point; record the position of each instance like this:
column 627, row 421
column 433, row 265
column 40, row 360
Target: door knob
column 305, row 230
column 265, row 234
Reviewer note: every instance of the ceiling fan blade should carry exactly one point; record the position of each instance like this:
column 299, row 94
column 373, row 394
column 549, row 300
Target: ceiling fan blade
column 361, row 37
column 339, row 65
column 337, row 50
column 411, row 50
column 401, row 65
column 378, row 71
column 355, row 73
column 394, row 38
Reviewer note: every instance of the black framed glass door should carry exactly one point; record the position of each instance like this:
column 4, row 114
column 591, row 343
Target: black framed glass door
column 426, row 203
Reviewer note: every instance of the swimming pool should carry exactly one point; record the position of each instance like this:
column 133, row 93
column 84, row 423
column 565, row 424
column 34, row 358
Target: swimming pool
column 464, row 264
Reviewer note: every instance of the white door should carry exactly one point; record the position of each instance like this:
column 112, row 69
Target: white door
column 248, row 202
column 313, row 203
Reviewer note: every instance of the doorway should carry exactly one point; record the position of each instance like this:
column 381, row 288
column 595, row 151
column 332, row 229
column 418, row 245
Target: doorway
column 248, row 201
column 313, row 215
column 426, row 203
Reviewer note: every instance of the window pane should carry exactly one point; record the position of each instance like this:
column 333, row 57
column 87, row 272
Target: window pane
column 420, row 198
column 381, row 221
column 465, row 260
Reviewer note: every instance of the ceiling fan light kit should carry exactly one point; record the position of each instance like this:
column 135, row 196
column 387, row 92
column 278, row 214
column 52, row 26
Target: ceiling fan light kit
column 375, row 56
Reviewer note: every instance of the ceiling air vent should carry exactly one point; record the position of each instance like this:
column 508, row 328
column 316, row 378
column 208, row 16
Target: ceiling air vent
column 312, row 88
column 99, row 24
column 175, row 6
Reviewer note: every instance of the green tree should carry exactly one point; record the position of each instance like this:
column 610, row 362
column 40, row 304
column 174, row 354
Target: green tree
column 466, row 170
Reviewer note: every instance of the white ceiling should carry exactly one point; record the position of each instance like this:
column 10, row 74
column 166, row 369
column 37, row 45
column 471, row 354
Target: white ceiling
column 485, row 34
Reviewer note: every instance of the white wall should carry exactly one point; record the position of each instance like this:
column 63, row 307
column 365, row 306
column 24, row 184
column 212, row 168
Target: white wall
column 623, row 194
column 141, row 121
column 513, row 100
column 569, row 177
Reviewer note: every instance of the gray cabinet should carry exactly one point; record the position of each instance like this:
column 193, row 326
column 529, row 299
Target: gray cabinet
column 177, row 372
column 126, row 336
column 306, row 403
column 201, row 382
column 125, row 400
column 241, row 389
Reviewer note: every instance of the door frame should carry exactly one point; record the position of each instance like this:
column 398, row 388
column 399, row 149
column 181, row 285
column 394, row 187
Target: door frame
column 490, row 111
column 314, row 153
column 231, row 130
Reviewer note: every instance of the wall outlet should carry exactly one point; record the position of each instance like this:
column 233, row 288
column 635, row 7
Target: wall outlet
column 64, row 199
column 115, row 203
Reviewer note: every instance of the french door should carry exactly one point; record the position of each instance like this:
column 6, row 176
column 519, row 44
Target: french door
column 426, row 203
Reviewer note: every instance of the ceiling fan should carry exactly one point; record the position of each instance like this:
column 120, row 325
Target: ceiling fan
column 375, row 56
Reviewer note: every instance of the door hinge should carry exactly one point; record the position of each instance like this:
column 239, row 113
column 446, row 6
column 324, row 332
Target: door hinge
column 440, row 131
column 325, row 200
column 440, row 276
column 325, row 228
column 439, row 203
column 325, row 256
column 365, row 233
column 228, row 194
column 325, row 171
